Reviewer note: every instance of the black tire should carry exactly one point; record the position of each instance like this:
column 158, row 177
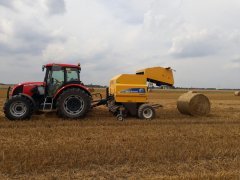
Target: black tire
column 120, row 117
column 146, row 111
column 18, row 108
column 73, row 103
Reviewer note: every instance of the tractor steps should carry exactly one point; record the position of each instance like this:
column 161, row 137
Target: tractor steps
column 47, row 105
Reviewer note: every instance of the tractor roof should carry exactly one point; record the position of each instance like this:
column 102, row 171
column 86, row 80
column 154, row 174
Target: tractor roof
column 63, row 65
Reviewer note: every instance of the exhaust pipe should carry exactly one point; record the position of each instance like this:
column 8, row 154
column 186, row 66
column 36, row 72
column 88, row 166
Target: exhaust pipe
column 8, row 91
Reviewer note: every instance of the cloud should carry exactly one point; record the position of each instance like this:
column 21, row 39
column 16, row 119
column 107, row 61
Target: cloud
column 6, row 30
column 237, row 60
column 6, row 3
column 131, row 11
column 28, row 40
column 233, row 64
column 196, row 44
column 56, row 7
column 163, row 15
column 197, row 38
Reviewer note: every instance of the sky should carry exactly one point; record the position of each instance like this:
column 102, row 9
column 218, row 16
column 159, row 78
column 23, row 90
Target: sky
column 199, row 39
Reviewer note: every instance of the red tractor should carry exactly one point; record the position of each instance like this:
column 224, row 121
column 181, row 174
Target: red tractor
column 62, row 91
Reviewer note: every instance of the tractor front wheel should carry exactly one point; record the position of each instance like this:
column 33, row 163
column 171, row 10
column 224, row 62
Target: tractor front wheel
column 18, row 108
column 73, row 103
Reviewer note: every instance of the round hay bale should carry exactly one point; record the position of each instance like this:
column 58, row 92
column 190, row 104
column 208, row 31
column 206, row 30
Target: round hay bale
column 192, row 92
column 194, row 104
column 237, row 93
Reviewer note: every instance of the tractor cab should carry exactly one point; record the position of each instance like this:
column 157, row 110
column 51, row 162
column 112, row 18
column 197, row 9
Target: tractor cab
column 60, row 75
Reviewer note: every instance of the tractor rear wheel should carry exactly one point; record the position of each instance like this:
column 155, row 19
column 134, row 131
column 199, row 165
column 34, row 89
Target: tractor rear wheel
column 146, row 111
column 18, row 108
column 73, row 103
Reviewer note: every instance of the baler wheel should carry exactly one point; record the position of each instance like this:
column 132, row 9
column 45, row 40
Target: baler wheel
column 146, row 111
column 120, row 117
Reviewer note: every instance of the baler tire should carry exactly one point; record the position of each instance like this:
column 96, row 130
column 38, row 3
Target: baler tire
column 120, row 117
column 63, row 110
column 144, row 109
column 23, row 101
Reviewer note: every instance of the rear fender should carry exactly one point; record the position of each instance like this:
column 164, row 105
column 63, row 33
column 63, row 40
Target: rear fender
column 71, row 86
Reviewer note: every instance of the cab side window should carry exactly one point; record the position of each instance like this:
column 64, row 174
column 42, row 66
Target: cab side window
column 72, row 74
column 58, row 76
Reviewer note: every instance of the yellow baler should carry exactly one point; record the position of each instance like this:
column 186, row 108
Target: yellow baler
column 128, row 93
column 158, row 75
column 128, row 88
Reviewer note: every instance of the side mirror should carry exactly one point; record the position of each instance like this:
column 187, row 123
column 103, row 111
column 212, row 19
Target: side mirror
column 43, row 68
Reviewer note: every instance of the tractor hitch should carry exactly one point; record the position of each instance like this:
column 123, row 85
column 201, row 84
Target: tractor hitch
column 101, row 101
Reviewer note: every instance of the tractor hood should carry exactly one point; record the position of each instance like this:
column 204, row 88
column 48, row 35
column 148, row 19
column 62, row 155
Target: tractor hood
column 31, row 84
column 26, row 87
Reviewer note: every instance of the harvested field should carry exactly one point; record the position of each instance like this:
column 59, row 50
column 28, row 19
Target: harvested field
column 171, row 146
column 3, row 91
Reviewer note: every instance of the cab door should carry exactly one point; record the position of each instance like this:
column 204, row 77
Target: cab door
column 55, row 80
